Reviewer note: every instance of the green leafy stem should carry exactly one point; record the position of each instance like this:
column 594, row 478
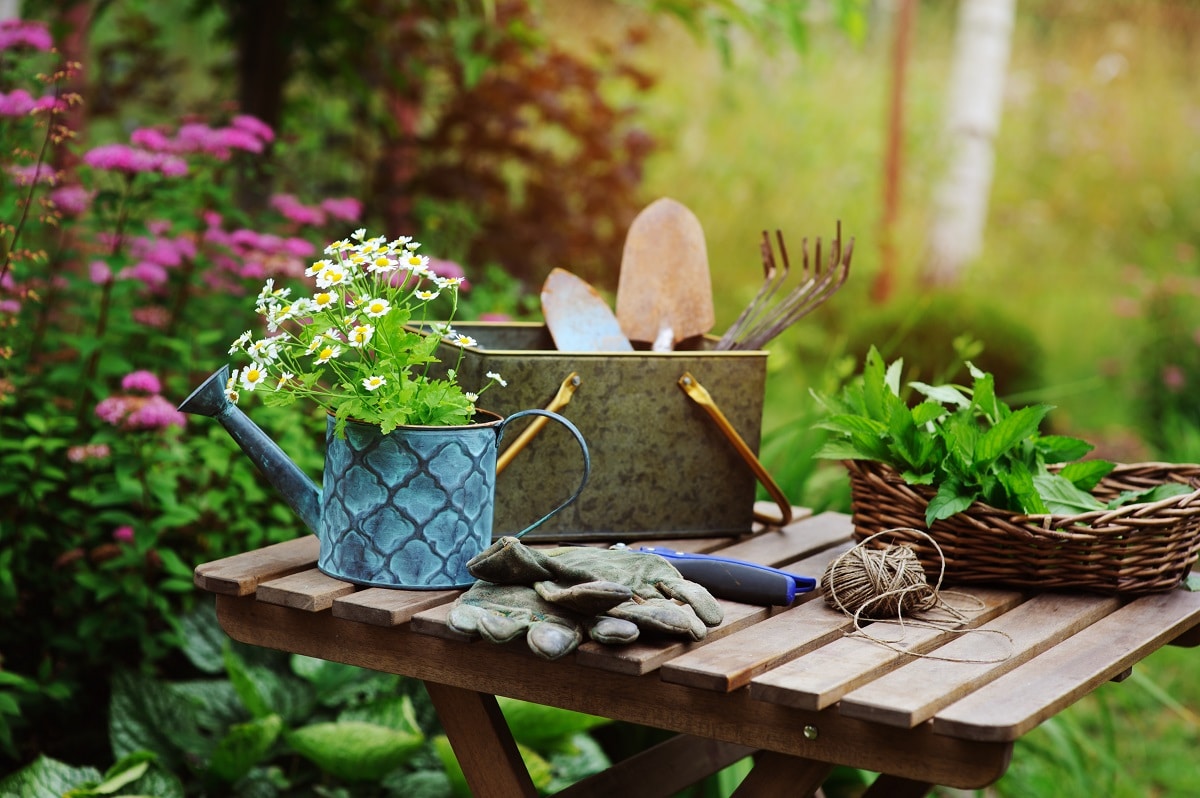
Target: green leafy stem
column 968, row 444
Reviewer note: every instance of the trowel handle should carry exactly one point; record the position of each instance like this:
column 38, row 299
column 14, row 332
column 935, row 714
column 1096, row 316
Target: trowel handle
column 587, row 459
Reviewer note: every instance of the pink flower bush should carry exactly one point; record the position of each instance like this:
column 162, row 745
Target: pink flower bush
column 141, row 407
column 18, row 33
column 134, row 160
column 141, row 382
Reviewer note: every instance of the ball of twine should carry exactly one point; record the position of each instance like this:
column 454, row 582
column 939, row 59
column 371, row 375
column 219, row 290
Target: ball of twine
column 878, row 583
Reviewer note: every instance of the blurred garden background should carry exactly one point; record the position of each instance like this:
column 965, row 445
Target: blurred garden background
column 160, row 160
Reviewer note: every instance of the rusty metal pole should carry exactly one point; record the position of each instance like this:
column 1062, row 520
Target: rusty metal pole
column 885, row 279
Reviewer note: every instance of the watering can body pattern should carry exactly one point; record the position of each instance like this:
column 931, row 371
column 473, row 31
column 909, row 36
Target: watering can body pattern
column 403, row 510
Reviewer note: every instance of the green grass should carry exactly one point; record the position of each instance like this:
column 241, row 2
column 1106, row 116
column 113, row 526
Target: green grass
column 1096, row 200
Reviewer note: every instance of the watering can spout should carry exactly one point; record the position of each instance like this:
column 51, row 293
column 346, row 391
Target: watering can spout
column 297, row 489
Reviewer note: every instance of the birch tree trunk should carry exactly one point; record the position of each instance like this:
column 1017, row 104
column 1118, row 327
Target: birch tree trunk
column 981, row 52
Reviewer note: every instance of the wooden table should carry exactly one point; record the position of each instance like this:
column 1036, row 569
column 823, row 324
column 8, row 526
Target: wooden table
column 794, row 686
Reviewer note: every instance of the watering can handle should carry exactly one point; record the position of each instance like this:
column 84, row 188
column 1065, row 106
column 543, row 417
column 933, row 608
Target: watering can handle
column 587, row 460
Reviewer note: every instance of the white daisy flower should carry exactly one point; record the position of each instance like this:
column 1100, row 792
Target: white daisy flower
column 491, row 375
column 241, row 341
column 325, row 300
column 426, row 295
column 463, row 340
column 376, row 307
column 253, row 376
column 327, row 353
column 284, row 378
column 264, row 349
column 373, row 382
column 360, row 335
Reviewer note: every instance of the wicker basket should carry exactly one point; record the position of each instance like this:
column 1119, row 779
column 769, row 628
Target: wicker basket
column 1138, row 548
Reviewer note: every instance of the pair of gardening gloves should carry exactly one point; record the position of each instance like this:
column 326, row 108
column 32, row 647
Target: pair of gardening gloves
column 555, row 596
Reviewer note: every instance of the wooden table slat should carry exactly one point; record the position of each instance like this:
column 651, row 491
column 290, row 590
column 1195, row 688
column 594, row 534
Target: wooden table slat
column 309, row 590
column 820, row 678
column 240, row 574
column 730, row 663
column 647, row 654
column 1021, row 699
column 914, row 692
column 381, row 606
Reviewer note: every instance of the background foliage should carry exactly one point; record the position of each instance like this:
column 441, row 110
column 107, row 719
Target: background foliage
column 515, row 138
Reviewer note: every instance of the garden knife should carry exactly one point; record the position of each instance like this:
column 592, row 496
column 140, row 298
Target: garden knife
column 736, row 580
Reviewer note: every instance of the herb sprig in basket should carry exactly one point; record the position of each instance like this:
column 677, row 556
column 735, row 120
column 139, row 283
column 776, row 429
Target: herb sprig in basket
column 969, row 445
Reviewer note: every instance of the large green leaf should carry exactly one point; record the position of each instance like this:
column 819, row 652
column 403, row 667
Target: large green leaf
column 47, row 778
column 1062, row 448
column 534, row 724
column 952, row 497
column 147, row 715
column 1086, row 475
column 851, row 425
column 1062, row 497
column 243, row 747
column 1009, row 432
column 946, row 394
column 355, row 750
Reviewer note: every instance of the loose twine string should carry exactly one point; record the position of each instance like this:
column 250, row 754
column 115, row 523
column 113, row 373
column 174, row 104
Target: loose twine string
column 889, row 583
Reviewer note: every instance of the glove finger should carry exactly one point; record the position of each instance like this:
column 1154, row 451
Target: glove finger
column 465, row 618
column 508, row 562
column 695, row 596
column 553, row 640
column 498, row 628
column 662, row 615
column 613, row 631
column 589, row 598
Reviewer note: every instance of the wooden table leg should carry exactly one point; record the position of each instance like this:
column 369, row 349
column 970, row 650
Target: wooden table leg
column 781, row 774
column 886, row 786
column 482, row 742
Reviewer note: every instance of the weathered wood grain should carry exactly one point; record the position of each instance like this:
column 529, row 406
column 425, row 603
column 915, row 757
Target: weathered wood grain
column 240, row 574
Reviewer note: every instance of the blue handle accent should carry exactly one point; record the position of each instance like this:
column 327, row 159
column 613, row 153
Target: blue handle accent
column 738, row 580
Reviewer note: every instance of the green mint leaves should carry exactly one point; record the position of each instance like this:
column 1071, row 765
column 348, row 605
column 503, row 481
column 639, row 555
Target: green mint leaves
column 964, row 441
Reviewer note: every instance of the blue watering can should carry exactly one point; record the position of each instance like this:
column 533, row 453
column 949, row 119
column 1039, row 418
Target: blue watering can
column 407, row 509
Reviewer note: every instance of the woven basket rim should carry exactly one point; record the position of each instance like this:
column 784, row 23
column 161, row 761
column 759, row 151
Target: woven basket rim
column 1046, row 520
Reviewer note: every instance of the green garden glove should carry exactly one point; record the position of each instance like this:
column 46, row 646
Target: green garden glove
column 502, row 613
column 583, row 579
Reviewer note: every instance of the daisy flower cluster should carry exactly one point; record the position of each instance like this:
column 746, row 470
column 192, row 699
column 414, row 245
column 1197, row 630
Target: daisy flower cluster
column 355, row 345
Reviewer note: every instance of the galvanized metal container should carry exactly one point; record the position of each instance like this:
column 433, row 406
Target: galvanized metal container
column 661, row 468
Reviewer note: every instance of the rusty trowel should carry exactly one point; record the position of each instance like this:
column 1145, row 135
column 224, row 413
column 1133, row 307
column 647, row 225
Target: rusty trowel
column 578, row 317
column 664, row 293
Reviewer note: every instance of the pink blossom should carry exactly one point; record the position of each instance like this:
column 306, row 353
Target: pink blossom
column 15, row 33
column 17, row 102
column 172, row 166
column 233, row 138
column 346, row 209
column 139, row 412
column 141, row 381
column 1173, row 378
column 296, row 211
column 24, row 175
column 154, row 413
column 154, row 275
column 10, row 306
column 100, row 272
column 152, row 316
column 494, row 317
column 112, row 409
column 121, row 158
column 152, row 139
column 211, row 219
column 88, row 452
column 123, row 534
column 298, row 247
column 254, row 126
column 71, row 200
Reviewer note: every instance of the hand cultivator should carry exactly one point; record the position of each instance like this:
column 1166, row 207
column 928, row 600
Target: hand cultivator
column 762, row 321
